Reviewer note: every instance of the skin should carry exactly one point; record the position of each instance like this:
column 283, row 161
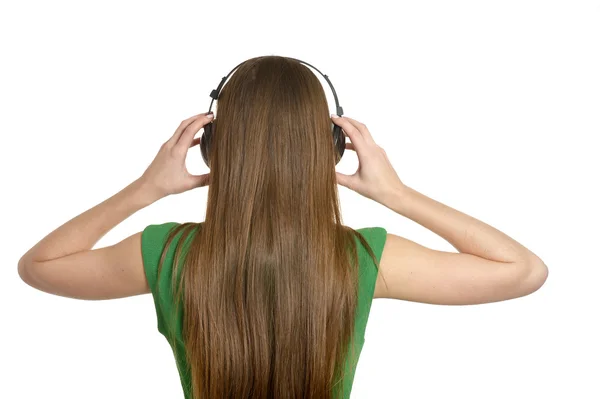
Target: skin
column 490, row 266
column 64, row 263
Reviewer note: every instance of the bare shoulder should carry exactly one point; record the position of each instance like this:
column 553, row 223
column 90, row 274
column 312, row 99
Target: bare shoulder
column 413, row 272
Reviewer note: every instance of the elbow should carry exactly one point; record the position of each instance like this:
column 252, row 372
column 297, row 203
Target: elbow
column 24, row 269
column 537, row 274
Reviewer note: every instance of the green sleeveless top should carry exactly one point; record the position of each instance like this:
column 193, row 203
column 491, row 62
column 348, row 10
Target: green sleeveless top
column 153, row 241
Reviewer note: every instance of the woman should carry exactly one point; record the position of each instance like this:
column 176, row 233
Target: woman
column 269, row 297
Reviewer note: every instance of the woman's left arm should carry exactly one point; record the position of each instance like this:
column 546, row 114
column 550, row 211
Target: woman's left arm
column 64, row 264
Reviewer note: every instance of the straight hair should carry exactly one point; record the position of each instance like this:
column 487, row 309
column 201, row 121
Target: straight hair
column 269, row 283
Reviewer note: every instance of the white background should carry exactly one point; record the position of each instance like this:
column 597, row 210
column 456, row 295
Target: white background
column 491, row 107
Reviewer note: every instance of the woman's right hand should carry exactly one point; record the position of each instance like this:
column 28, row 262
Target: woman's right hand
column 375, row 177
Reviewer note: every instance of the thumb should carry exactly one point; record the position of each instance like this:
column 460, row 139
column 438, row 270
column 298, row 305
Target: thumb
column 200, row 180
column 344, row 180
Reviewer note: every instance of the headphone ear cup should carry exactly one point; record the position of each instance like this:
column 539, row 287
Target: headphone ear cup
column 339, row 140
column 205, row 142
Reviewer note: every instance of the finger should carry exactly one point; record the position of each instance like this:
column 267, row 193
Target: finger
column 195, row 142
column 362, row 128
column 182, row 126
column 350, row 146
column 350, row 130
column 187, row 137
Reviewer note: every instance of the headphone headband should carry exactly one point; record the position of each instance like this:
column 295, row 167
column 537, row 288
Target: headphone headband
column 215, row 93
column 339, row 140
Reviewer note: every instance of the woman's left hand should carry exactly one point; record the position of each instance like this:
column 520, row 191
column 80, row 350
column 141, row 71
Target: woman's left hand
column 167, row 174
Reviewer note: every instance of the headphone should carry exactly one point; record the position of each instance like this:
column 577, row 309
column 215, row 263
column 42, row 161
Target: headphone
column 339, row 139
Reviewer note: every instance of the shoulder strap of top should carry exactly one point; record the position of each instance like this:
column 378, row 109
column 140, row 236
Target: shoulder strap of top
column 154, row 238
column 368, row 270
column 375, row 237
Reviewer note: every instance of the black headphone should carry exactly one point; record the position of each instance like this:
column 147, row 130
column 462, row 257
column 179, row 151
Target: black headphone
column 339, row 140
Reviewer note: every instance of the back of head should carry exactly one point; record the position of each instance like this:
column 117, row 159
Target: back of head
column 269, row 283
column 272, row 139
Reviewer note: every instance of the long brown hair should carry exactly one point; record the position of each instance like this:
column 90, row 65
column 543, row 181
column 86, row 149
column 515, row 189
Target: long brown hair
column 270, row 280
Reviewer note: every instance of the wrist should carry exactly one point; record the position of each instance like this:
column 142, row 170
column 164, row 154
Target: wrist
column 395, row 196
column 146, row 192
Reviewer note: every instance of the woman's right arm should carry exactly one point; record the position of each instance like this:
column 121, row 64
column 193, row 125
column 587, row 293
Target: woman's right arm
column 489, row 267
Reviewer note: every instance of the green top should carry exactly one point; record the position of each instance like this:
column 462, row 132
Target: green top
column 153, row 241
